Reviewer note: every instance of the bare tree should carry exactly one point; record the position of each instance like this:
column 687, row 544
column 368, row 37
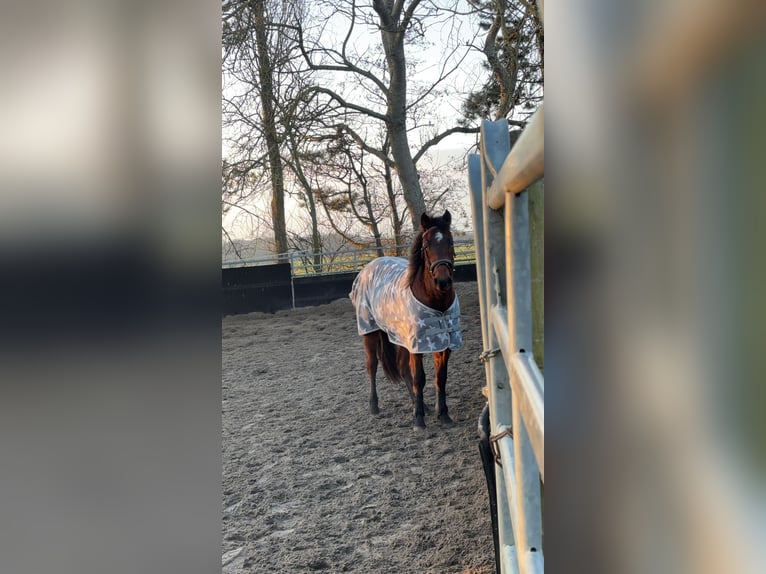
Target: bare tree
column 381, row 93
column 237, row 181
column 266, row 88
column 513, row 48
column 351, row 189
column 332, row 110
column 260, row 60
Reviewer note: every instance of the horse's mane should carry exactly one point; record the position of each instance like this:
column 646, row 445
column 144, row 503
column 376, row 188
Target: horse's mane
column 416, row 251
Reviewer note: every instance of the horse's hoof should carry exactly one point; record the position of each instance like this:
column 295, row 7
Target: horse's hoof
column 420, row 424
column 374, row 410
column 445, row 419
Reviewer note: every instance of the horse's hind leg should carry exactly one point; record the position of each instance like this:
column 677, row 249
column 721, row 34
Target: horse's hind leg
column 370, row 349
column 403, row 364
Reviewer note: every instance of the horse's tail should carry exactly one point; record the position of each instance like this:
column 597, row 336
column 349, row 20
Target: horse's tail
column 390, row 357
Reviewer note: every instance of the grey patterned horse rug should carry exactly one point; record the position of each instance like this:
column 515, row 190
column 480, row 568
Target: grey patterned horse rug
column 384, row 301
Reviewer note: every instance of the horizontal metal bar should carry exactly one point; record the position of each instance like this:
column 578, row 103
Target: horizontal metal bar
column 532, row 405
column 329, row 256
column 498, row 320
column 525, row 163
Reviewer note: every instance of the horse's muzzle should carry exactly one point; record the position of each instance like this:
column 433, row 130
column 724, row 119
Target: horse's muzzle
column 444, row 285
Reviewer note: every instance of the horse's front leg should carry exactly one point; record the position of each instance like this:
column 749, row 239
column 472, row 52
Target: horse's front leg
column 418, row 384
column 440, row 366
column 371, row 350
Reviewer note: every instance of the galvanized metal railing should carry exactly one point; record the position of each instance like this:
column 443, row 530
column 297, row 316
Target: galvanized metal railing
column 302, row 263
column 515, row 385
column 354, row 259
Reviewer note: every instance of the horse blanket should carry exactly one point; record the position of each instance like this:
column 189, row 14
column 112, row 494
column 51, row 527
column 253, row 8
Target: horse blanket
column 383, row 300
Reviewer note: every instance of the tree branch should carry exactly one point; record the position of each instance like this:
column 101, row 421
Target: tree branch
column 409, row 13
column 365, row 146
column 436, row 200
column 437, row 138
column 231, row 242
column 347, row 66
column 351, row 240
column 258, row 217
column 348, row 105
column 443, row 75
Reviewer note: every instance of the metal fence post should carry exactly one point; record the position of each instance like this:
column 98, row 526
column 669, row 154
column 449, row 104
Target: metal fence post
column 292, row 277
column 494, row 148
column 519, row 282
column 514, row 382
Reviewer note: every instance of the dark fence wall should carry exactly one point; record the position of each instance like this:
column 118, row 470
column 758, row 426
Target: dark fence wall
column 266, row 288
column 465, row 272
column 270, row 288
column 323, row 289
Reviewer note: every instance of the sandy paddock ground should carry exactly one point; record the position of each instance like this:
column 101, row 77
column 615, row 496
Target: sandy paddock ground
column 313, row 482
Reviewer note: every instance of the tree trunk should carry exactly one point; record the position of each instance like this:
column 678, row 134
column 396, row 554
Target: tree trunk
column 373, row 223
column 395, row 221
column 406, row 171
column 316, row 238
column 504, row 72
column 266, row 90
column 392, row 34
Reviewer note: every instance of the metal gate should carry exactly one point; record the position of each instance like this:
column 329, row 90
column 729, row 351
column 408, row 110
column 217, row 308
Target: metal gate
column 515, row 385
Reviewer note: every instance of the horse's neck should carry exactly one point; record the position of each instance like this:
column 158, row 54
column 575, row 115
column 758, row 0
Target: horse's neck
column 426, row 292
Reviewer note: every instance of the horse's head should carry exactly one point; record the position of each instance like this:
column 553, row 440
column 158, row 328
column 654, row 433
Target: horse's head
column 438, row 249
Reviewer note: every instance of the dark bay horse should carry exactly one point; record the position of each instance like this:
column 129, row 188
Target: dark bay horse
column 406, row 309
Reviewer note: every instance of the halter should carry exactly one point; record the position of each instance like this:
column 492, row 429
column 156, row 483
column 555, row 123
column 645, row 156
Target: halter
column 450, row 263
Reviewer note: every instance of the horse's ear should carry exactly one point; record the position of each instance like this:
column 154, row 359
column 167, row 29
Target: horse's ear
column 425, row 221
column 447, row 217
